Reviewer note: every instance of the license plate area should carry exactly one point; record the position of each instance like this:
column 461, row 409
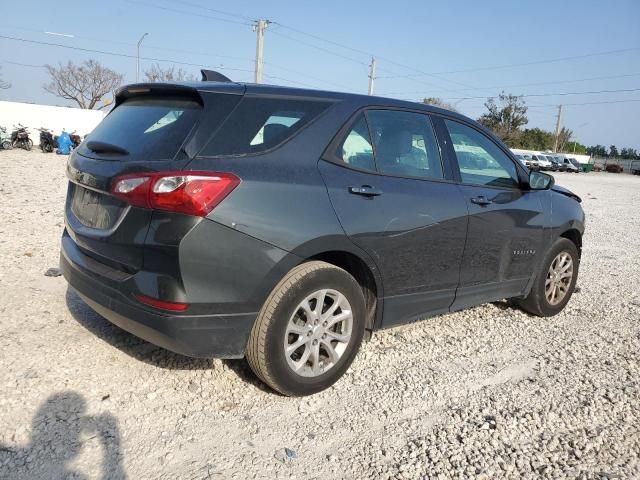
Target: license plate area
column 94, row 209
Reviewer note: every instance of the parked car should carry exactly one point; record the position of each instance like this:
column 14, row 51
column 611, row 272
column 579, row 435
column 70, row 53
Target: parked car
column 542, row 161
column 521, row 159
column 569, row 166
column 559, row 164
column 553, row 165
column 228, row 220
column 529, row 162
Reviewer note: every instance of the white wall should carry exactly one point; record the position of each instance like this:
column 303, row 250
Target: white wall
column 35, row 116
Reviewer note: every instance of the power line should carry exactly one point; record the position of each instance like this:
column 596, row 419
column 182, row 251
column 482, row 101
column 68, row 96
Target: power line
column 553, row 94
column 22, row 64
column 133, row 44
column 184, row 12
column 271, row 64
column 585, row 103
column 364, row 52
column 525, row 84
column 117, row 54
column 275, row 32
column 525, row 64
column 214, row 10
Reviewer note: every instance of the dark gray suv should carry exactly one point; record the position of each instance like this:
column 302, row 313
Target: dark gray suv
column 227, row 220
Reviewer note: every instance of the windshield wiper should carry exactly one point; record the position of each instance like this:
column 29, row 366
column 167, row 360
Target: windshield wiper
column 104, row 147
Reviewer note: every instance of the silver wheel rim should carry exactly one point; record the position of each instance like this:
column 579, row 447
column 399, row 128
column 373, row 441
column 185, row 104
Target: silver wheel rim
column 318, row 333
column 559, row 278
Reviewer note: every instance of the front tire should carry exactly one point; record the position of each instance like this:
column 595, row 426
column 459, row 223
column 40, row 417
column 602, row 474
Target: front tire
column 309, row 330
column 555, row 282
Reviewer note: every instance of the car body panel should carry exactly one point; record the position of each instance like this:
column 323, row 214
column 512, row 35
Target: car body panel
column 411, row 219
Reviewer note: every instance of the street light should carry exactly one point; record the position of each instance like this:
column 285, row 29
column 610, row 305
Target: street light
column 138, row 57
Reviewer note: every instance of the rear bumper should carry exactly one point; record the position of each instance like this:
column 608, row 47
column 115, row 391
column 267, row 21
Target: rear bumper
column 217, row 336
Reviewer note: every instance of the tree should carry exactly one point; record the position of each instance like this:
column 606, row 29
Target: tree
column 438, row 102
column 613, row 152
column 576, row 147
column 597, row 151
column 506, row 117
column 534, row 139
column 86, row 84
column 3, row 85
column 157, row 74
column 628, row 153
column 563, row 138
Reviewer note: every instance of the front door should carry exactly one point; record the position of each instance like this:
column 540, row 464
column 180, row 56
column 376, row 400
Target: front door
column 387, row 184
column 506, row 223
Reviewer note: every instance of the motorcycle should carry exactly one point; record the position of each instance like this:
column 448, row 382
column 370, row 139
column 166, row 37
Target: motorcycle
column 46, row 140
column 5, row 139
column 75, row 139
column 20, row 138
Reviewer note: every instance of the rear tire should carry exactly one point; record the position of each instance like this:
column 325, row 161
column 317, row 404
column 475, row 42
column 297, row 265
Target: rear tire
column 553, row 286
column 308, row 331
column 6, row 145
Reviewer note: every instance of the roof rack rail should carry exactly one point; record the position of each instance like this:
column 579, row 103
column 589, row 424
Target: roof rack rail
column 213, row 76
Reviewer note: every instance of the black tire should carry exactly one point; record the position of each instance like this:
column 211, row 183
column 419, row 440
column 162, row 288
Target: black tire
column 28, row 144
column 265, row 351
column 6, row 145
column 536, row 302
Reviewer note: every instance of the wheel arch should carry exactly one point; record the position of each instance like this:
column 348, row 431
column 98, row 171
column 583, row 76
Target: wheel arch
column 365, row 273
column 574, row 235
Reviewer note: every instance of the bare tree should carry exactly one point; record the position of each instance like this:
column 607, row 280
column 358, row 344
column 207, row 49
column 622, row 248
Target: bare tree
column 86, row 84
column 3, row 85
column 438, row 102
column 505, row 118
column 157, row 74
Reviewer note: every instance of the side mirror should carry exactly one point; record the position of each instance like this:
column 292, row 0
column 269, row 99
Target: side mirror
column 540, row 181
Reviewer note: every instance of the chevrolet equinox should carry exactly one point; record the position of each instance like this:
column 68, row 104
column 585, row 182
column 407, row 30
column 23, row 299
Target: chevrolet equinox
column 218, row 219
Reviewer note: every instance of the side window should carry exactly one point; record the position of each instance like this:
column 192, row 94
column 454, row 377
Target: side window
column 356, row 149
column 260, row 123
column 405, row 144
column 480, row 160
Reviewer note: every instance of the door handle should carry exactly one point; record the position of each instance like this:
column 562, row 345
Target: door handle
column 481, row 200
column 365, row 190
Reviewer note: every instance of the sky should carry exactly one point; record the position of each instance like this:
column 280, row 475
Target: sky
column 453, row 50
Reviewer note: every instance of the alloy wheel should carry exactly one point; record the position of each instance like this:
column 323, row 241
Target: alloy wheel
column 559, row 278
column 318, row 333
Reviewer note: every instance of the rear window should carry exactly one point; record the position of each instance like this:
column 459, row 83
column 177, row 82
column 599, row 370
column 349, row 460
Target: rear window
column 258, row 124
column 149, row 129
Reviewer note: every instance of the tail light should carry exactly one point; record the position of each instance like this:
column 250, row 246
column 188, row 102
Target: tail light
column 162, row 304
column 191, row 193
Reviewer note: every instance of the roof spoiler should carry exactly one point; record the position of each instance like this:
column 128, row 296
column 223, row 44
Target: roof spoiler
column 213, row 76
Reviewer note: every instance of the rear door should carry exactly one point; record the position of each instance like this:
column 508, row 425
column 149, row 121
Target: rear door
column 397, row 201
column 151, row 129
column 506, row 222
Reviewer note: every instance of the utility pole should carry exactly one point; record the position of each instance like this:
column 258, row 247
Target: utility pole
column 372, row 74
column 259, row 27
column 555, row 143
column 138, row 57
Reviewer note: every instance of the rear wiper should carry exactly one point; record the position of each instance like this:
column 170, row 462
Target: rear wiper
column 104, row 147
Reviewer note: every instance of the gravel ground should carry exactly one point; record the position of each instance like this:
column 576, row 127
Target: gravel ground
column 489, row 392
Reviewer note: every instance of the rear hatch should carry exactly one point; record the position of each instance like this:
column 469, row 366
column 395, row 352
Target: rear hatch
column 152, row 128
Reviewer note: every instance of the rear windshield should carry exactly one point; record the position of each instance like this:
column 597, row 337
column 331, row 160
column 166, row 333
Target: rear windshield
column 149, row 129
column 260, row 123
